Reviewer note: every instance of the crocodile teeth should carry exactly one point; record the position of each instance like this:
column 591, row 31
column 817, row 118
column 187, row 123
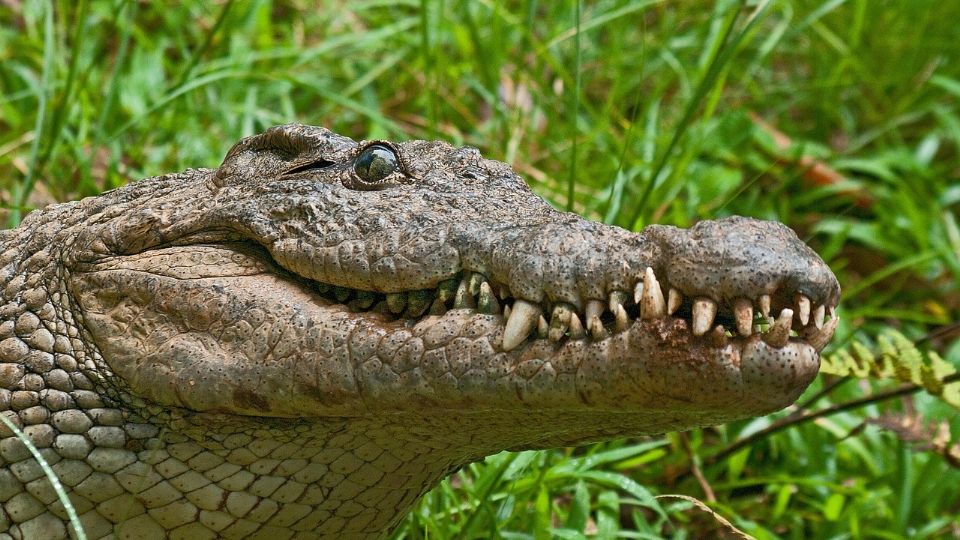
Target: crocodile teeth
column 523, row 318
column 803, row 309
column 779, row 332
column 764, row 304
column 543, row 328
column 704, row 310
column 718, row 336
column 365, row 299
column 487, row 302
column 823, row 336
column 593, row 310
column 341, row 293
column 446, row 290
column 652, row 304
column 418, row 302
column 396, row 302
column 556, row 333
column 576, row 327
column 621, row 319
column 597, row 331
column 560, row 321
column 592, row 314
column 743, row 313
column 561, row 312
column 506, row 312
column 463, row 298
column 818, row 315
column 618, row 298
column 476, row 281
column 674, row 299
column 438, row 307
column 638, row 292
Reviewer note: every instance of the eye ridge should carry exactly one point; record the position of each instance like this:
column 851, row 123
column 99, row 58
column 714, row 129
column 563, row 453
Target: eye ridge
column 375, row 163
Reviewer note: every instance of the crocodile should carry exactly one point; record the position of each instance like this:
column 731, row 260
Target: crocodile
column 304, row 340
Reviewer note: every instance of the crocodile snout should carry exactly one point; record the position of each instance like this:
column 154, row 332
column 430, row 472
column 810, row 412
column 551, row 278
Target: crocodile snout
column 736, row 257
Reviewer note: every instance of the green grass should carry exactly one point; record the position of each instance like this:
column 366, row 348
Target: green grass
column 641, row 116
column 62, row 498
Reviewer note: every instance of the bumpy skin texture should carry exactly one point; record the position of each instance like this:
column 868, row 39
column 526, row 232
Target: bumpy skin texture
column 224, row 353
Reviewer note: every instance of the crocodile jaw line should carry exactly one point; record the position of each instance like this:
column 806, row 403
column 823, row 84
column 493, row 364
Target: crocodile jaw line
column 471, row 349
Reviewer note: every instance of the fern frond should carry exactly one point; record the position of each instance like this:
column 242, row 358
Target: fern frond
column 896, row 358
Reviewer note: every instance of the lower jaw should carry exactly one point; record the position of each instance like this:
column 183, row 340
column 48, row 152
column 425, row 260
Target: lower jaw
column 654, row 366
column 648, row 365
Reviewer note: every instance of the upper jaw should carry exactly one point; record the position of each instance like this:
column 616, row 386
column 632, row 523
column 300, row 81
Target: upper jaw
column 567, row 278
column 734, row 277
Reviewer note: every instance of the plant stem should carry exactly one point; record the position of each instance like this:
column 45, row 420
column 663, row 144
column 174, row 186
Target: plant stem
column 802, row 418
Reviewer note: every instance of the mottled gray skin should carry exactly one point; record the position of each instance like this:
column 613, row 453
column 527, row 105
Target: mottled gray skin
column 174, row 350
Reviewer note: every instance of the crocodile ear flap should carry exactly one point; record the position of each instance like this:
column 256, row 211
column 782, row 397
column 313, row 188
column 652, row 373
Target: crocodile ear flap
column 282, row 149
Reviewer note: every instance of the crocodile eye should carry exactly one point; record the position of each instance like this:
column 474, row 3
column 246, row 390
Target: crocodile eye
column 375, row 163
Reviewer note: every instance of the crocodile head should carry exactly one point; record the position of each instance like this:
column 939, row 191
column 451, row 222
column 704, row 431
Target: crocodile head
column 310, row 336
column 314, row 276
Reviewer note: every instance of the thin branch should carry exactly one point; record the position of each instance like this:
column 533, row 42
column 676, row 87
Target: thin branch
column 794, row 420
column 695, row 469
column 825, row 391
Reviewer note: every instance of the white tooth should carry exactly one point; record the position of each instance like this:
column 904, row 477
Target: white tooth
column 576, row 327
column 638, row 292
column 823, row 336
column 562, row 312
column 476, row 281
column 560, row 321
column 597, row 331
column 652, row 304
column 779, row 332
column 592, row 313
column 618, row 298
column 556, row 333
column 719, row 336
column 593, row 310
column 487, row 302
column 542, row 328
column 621, row 319
column 463, row 298
column 506, row 312
column 704, row 310
column 803, row 309
column 833, row 312
column 674, row 299
column 764, row 302
column 522, row 319
column 743, row 313
column 818, row 315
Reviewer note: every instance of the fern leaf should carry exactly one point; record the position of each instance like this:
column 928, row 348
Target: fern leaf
column 896, row 358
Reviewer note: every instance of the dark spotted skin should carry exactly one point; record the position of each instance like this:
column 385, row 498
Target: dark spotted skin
column 279, row 348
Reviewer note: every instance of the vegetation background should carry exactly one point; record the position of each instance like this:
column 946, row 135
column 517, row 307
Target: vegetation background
column 839, row 118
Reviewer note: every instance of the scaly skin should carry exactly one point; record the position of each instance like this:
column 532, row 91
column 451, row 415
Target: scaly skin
column 302, row 342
